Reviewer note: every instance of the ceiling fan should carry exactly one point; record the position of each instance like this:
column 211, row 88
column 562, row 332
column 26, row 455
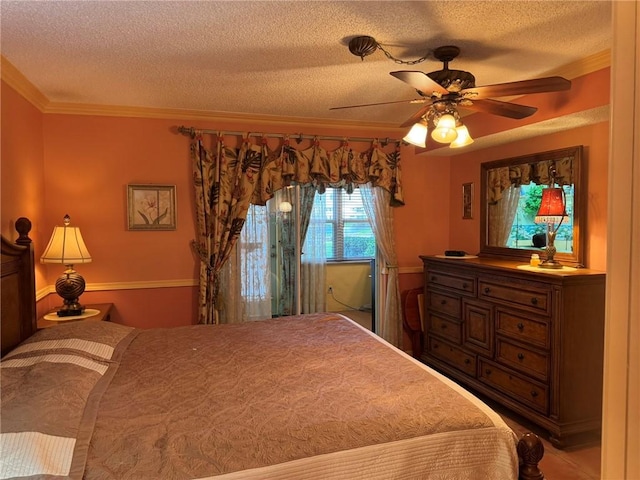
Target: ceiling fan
column 442, row 91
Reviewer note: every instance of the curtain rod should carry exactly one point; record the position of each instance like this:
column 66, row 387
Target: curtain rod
column 298, row 137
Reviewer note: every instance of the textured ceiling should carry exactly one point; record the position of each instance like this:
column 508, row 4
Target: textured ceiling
column 288, row 59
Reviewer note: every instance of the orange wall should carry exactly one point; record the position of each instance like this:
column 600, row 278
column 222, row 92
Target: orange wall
column 83, row 168
column 53, row 164
column 465, row 234
column 22, row 170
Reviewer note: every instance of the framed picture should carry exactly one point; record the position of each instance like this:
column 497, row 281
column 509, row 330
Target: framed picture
column 151, row 207
column 467, row 200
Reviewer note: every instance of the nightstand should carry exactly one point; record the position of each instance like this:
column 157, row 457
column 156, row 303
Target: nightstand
column 100, row 312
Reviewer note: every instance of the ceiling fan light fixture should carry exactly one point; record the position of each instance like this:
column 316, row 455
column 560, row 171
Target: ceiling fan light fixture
column 445, row 131
column 463, row 139
column 417, row 135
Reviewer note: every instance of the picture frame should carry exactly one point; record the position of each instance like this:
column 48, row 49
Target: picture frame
column 467, row 201
column 151, row 207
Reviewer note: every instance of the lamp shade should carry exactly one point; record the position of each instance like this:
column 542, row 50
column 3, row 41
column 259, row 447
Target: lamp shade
column 285, row 207
column 417, row 135
column 66, row 246
column 463, row 139
column 552, row 209
column 445, row 131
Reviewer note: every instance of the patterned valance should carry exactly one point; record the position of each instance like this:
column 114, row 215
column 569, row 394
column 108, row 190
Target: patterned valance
column 500, row 178
column 317, row 166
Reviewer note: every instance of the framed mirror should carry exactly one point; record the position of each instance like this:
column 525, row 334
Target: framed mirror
column 511, row 190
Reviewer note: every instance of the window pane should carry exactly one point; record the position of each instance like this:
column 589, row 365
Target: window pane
column 358, row 240
column 329, row 244
column 348, row 234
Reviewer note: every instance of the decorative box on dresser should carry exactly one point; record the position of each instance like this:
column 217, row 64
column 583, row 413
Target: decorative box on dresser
column 529, row 339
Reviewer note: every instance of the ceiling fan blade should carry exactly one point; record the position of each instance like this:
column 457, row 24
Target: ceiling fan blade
column 416, row 116
column 505, row 109
column 416, row 100
column 537, row 85
column 420, row 81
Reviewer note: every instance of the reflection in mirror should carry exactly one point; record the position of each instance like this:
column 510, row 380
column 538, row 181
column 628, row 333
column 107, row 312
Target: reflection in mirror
column 511, row 193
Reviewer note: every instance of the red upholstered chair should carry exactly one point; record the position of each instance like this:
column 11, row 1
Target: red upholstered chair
column 411, row 319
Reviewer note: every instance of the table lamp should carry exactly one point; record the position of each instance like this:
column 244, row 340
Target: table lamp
column 67, row 247
column 552, row 211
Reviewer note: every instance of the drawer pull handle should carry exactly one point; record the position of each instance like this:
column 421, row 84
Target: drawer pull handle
column 521, row 356
column 488, row 371
column 487, row 290
column 443, row 326
column 435, row 346
column 443, row 302
column 534, row 394
column 534, row 301
column 465, row 286
column 520, row 326
column 434, row 278
column 467, row 361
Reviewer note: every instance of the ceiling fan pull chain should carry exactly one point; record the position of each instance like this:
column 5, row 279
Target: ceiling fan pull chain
column 403, row 62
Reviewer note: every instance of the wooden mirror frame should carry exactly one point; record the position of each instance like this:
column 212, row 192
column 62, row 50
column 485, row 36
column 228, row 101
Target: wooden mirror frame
column 575, row 258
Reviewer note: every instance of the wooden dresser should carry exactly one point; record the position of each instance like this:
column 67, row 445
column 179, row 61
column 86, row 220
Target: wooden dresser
column 530, row 340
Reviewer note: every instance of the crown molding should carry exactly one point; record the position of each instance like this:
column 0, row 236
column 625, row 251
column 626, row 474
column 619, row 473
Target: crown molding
column 584, row 66
column 181, row 114
column 16, row 80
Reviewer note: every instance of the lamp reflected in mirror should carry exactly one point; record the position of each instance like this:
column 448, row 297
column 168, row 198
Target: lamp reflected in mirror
column 552, row 212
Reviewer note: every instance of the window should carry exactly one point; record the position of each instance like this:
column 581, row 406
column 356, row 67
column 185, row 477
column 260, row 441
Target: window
column 348, row 233
column 524, row 227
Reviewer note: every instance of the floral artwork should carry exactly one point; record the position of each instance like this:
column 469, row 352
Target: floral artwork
column 151, row 207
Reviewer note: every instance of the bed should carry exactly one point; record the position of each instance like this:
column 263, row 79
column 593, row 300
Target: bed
column 303, row 397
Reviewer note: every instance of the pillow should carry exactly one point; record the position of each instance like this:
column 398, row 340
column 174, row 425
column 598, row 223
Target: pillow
column 51, row 387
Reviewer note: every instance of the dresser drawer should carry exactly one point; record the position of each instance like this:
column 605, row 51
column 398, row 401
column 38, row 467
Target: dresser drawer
column 527, row 391
column 445, row 328
column 447, row 304
column 452, row 281
column 525, row 329
column 454, row 356
column 523, row 359
column 533, row 297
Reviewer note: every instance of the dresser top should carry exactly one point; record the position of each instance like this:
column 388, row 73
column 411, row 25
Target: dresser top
column 510, row 265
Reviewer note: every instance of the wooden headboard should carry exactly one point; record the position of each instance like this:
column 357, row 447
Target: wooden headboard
column 18, row 288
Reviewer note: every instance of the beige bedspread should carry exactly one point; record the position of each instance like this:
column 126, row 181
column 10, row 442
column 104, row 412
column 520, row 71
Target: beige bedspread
column 290, row 393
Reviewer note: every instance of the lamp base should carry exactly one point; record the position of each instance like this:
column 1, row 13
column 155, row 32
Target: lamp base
column 70, row 310
column 70, row 285
column 550, row 264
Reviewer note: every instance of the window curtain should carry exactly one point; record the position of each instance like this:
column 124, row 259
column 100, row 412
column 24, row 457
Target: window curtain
column 314, row 254
column 245, row 279
column 227, row 180
column 380, row 214
column 501, row 215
